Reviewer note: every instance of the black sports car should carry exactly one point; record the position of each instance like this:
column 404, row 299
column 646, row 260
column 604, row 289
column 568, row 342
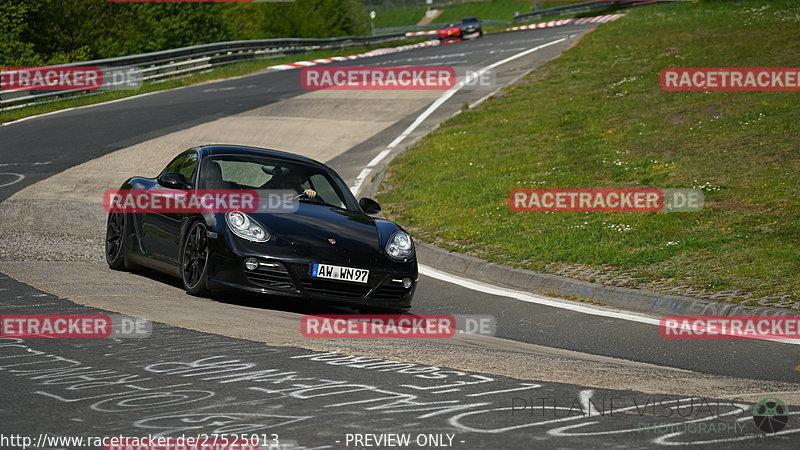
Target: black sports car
column 319, row 244
column 471, row 28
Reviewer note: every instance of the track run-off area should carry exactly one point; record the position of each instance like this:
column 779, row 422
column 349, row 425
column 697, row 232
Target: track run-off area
column 557, row 374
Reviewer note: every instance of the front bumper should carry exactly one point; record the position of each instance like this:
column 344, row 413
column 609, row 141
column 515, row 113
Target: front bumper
column 471, row 34
column 449, row 36
column 280, row 272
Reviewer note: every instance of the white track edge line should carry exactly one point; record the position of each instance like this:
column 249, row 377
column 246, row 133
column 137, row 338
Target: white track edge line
column 547, row 301
column 358, row 182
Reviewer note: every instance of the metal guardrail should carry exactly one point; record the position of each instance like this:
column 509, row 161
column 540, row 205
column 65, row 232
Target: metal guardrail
column 181, row 61
column 433, row 26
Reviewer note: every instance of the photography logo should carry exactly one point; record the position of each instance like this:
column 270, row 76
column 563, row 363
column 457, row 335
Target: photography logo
column 770, row 415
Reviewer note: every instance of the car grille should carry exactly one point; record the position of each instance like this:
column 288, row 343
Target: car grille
column 272, row 275
column 335, row 288
column 390, row 291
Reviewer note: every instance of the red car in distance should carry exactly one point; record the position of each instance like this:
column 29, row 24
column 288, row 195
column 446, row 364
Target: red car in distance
column 449, row 32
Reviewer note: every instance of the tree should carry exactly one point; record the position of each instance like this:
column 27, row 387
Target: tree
column 14, row 19
column 36, row 32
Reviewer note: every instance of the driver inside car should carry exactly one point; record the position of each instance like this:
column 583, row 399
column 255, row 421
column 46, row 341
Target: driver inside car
column 293, row 181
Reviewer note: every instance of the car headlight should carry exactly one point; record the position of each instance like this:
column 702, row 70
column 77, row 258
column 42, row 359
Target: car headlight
column 399, row 246
column 246, row 227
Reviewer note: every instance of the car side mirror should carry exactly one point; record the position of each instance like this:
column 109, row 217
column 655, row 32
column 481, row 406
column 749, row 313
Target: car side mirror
column 174, row 180
column 369, row 206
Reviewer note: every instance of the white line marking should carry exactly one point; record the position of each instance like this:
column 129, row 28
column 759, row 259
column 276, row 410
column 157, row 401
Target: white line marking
column 525, row 387
column 229, row 88
column 585, row 397
column 552, row 302
column 531, row 298
column 75, row 108
column 435, row 105
column 453, row 90
column 378, row 158
column 25, row 164
column 360, row 179
column 760, row 394
column 19, row 176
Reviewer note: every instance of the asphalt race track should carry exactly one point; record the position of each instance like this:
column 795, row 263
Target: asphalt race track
column 550, row 377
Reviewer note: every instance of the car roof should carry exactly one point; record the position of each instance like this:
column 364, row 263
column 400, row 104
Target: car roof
column 228, row 149
column 449, row 25
column 471, row 19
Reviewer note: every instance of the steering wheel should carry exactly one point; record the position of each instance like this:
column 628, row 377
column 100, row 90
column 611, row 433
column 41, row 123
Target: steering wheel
column 303, row 197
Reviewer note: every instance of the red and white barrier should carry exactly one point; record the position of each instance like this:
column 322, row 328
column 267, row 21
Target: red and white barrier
column 558, row 23
column 598, row 19
column 421, row 33
column 376, row 52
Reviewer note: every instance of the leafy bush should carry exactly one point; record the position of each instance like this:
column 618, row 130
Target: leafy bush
column 35, row 32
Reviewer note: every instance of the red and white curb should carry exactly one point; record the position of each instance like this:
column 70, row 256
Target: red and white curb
column 562, row 22
column 421, row 33
column 376, row 52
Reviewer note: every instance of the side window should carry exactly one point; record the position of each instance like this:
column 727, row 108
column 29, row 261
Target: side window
column 325, row 191
column 176, row 163
column 189, row 167
column 185, row 164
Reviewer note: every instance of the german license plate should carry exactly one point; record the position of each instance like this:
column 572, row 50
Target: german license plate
column 339, row 273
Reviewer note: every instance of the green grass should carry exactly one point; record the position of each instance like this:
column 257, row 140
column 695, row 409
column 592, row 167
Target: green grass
column 492, row 10
column 399, row 18
column 597, row 117
column 218, row 73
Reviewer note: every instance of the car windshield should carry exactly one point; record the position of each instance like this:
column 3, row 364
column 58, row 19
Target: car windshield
column 277, row 175
column 449, row 25
column 469, row 20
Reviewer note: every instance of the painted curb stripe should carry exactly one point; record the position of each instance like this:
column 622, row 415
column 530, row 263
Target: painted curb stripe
column 376, row 52
column 558, row 23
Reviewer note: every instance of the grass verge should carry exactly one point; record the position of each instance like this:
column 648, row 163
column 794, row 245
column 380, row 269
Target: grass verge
column 486, row 10
column 493, row 10
column 398, row 18
column 217, row 73
column 597, row 117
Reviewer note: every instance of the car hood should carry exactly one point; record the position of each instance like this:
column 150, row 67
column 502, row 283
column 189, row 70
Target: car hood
column 308, row 231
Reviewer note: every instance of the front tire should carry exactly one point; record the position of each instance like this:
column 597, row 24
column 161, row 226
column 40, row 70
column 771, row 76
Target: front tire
column 115, row 241
column 194, row 260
